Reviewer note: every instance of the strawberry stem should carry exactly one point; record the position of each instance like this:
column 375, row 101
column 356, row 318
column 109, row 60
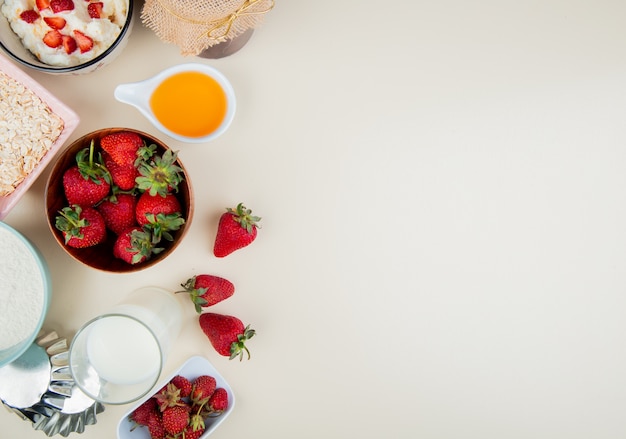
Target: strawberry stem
column 238, row 347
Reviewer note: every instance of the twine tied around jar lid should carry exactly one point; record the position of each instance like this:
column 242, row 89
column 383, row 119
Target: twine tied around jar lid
column 195, row 25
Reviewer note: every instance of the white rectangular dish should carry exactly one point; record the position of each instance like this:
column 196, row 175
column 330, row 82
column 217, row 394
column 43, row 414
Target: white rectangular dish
column 191, row 369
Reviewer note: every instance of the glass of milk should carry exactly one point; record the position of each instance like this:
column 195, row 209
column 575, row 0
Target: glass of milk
column 117, row 357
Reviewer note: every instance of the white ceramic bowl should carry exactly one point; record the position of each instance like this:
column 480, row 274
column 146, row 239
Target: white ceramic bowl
column 24, row 255
column 191, row 369
column 138, row 95
column 12, row 45
column 70, row 120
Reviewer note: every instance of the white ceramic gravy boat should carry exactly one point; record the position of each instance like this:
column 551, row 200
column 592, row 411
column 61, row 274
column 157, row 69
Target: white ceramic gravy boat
column 138, row 95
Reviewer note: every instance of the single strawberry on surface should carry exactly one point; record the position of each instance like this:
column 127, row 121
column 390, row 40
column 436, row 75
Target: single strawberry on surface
column 237, row 228
column 227, row 334
column 206, row 290
column 80, row 227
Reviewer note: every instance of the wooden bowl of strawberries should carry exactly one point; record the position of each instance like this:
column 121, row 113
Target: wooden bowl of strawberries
column 118, row 200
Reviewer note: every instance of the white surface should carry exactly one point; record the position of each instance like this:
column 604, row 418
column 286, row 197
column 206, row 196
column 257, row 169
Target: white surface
column 443, row 193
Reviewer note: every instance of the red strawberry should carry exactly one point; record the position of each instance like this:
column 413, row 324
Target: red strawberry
column 155, row 425
column 29, row 16
column 69, row 44
column 81, row 227
column 42, row 4
column 202, row 389
column 206, row 290
column 169, row 396
column 55, row 22
column 218, row 402
column 84, row 42
column 192, row 432
column 159, row 215
column 53, row 39
column 81, row 191
column 123, row 176
column 141, row 414
column 122, row 146
column 160, row 174
column 175, row 419
column 227, row 334
column 119, row 212
column 134, row 246
column 94, row 9
column 155, row 204
column 61, row 5
column 88, row 182
column 236, row 229
column 182, row 384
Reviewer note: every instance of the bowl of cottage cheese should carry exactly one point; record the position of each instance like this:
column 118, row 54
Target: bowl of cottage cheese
column 25, row 289
column 65, row 36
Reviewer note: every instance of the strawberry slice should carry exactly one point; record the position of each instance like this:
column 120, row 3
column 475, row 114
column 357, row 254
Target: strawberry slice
column 53, row 39
column 61, row 5
column 42, row 4
column 29, row 16
column 85, row 43
column 69, row 44
column 55, row 22
column 95, row 9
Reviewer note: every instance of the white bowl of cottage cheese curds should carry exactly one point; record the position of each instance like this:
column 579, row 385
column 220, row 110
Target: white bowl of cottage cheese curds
column 65, row 36
column 25, row 289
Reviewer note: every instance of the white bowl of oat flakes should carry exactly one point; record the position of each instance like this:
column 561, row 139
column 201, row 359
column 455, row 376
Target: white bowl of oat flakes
column 25, row 290
column 34, row 125
column 65, row 36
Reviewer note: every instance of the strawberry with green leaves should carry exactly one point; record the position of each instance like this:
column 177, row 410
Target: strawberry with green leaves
column 201, row 390
column 118, row 212
column 88, row 182
column 194, row 430
column 206, row 290
column 154, row 205
column 237, row 228
column 80, row 227
column 227, row 334
column 160, row 174
column 134, row 246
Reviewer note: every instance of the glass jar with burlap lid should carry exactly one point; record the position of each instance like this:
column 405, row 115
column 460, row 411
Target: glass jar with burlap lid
column 195, row 25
